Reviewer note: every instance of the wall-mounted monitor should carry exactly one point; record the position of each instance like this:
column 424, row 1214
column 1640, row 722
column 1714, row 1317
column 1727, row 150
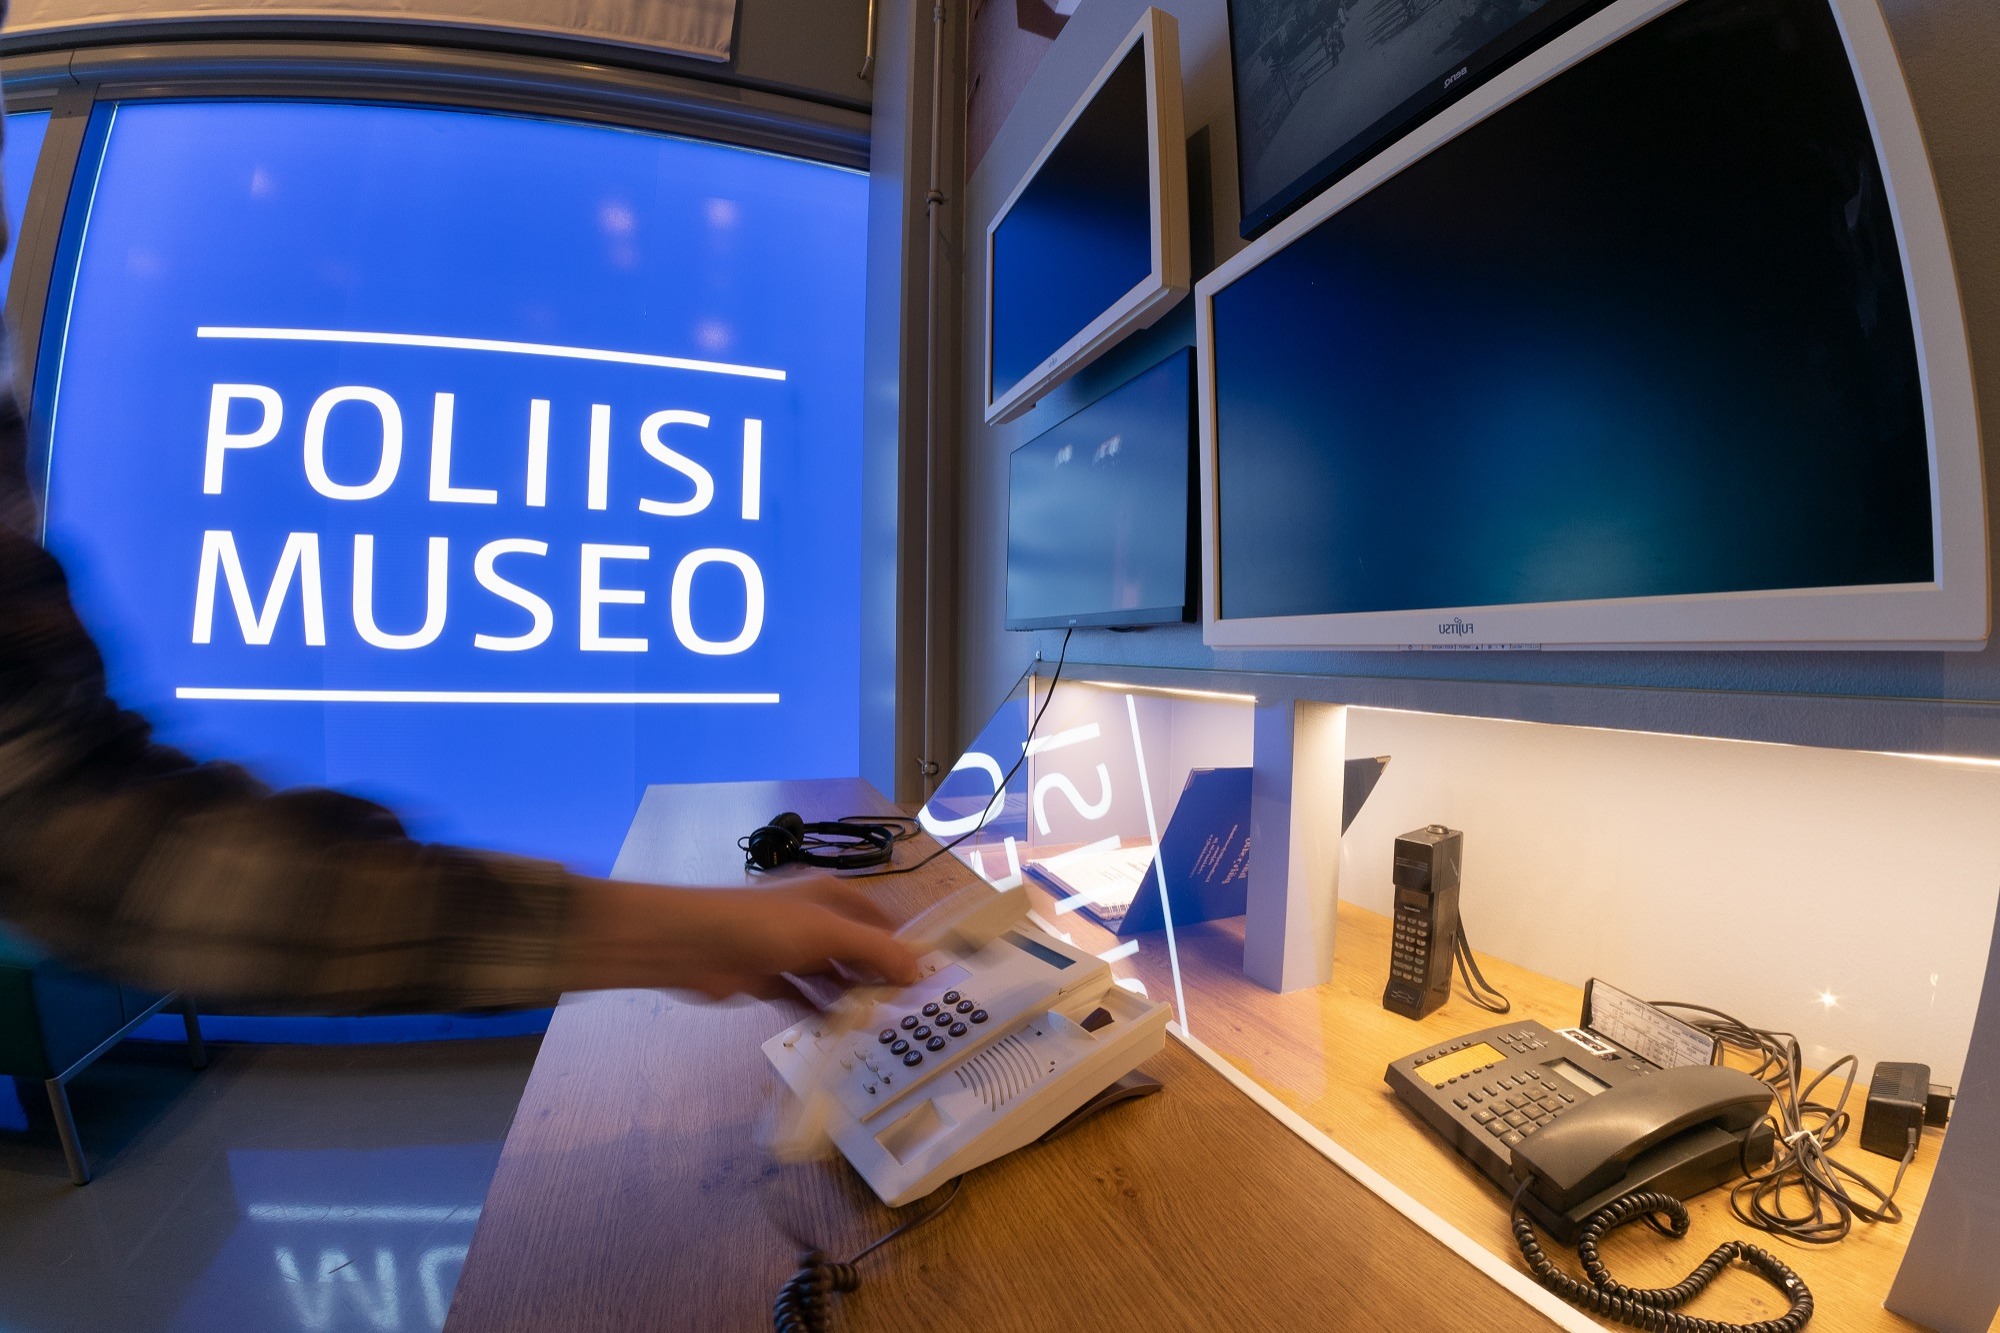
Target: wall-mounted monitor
column 1653, row 342
column 1321, row 84
column 1093, row 243
column 1100, row 514
column 490, row 465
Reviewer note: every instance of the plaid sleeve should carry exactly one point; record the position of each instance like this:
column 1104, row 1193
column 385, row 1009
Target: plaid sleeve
column 129, row 859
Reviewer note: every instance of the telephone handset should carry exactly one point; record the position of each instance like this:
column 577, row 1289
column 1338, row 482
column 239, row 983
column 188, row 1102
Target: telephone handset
column 1006, row 1034
column 1612, row 1144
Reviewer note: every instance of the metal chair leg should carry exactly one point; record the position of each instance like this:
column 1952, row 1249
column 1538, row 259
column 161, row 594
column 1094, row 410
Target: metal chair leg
column 197, row 1052
column 79, row 1169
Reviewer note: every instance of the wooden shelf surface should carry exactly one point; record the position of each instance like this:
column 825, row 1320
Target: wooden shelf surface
column 1322, row 1052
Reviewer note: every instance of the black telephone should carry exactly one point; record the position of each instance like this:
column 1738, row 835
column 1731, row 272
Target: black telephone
column 1425, row 920
column 1582, row 1126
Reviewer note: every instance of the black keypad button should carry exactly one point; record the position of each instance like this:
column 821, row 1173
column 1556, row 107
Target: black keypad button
column 1460, row 1103
column 910, row 1021
column 1511, row 1138
column 951, row 997
column 1498, row 1129
column 886, row 1035
column 958, row 1029
column 1483, row 1117
column 930, row 1010
column 1530, row 1128
column 980, row 1015
column 898, row 1046
column 966, row 1006
column 920, row 1032
column 934, row 1044
column 914, row 1058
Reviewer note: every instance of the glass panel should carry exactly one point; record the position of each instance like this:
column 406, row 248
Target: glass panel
column 494, row 467
column 1121, row 785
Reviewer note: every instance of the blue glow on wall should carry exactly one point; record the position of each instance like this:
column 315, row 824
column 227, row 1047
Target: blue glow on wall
column 491, row 467
column 19, row 152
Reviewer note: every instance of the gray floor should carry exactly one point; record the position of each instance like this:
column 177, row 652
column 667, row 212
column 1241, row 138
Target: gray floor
column 320, row 1189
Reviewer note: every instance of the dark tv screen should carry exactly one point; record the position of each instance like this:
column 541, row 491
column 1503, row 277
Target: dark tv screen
column 1643, row 332
column 1099, row 509
column 1080, row 235
column 1322, row 84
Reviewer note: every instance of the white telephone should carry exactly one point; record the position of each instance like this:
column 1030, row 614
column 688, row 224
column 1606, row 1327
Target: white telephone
column 1008, row 1032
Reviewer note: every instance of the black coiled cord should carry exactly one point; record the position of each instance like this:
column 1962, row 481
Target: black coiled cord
column 804, row 1303
column 1655, row 1308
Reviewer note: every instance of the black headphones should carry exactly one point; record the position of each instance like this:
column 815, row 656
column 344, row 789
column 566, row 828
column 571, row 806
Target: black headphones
column 835, row 845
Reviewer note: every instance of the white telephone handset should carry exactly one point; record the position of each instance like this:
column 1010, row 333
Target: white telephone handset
column 1008, row 1032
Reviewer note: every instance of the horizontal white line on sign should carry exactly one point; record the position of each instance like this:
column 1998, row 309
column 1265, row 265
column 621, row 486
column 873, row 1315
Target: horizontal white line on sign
column 460, row 696
column 487, row 345
column 349, row 1212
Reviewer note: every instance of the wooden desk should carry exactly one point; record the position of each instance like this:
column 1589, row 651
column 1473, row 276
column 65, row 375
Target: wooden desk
column 632, row 1194
column 1322, row 1052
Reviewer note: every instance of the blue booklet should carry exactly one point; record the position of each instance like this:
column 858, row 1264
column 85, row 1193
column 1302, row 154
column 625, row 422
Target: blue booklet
column 1206, row 852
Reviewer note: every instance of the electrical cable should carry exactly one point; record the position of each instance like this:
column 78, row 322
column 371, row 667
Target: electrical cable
column 1484, row 993
column 1657, row 1308
column 805, row 1302
column 1802, row 1194
column 999, row 796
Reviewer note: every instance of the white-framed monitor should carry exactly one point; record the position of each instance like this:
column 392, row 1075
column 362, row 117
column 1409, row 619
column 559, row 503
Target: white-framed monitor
column 1654, row 341
column 1093, row 241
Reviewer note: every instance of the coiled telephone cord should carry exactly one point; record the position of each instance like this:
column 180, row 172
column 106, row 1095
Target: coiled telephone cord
column 805, row 1302
column 1657, row 1308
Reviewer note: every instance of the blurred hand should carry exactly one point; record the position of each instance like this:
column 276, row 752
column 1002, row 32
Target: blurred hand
column 724, row 942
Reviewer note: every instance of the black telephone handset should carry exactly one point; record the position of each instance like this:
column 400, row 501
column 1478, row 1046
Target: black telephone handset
column 1612, row 1142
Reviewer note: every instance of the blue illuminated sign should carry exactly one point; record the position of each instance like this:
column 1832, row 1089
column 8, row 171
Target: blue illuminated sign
column 494, row 467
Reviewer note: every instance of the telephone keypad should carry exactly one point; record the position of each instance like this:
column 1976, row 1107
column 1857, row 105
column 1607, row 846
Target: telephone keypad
column 898, row 1047
column 934, row 1044
column 951, row 997
column 980, row 1015
column 930, row 1010
column 910, row 1021
column 914, row 1058
column 886, row 1035
column 958, row 1029
column 920, row 1032
column 964, row 1006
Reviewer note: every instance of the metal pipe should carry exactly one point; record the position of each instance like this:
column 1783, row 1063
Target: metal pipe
column 934, row 198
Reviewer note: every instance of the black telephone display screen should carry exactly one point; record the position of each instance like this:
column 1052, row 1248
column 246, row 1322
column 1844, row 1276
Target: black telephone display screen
column 1463, row 1061
column 1575, row 1074
column 1412, row 898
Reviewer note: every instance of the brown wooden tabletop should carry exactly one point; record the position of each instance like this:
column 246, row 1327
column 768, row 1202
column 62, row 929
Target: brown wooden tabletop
column 633, row 1193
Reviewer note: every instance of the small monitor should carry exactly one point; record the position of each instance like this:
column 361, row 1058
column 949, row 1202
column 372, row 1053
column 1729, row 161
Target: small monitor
column 1654, row 341
column 1099, row 513
column 1321, row 84
column 1093, row 243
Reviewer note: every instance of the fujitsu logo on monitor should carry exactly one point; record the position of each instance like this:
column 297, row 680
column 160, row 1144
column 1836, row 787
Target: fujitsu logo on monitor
column 1455, row 626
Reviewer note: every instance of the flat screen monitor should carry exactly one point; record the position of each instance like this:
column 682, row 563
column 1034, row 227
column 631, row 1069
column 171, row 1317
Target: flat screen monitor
column 1656, row 342
column 1093, row 242
column 1099, row 509
column 492, row 466
column 1321, row 84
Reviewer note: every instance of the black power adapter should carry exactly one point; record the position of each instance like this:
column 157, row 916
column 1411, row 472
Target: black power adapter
column 1898, row 1100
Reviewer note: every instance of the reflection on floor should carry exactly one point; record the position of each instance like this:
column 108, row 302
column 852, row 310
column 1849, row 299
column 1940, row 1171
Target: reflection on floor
column 321, row 1189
